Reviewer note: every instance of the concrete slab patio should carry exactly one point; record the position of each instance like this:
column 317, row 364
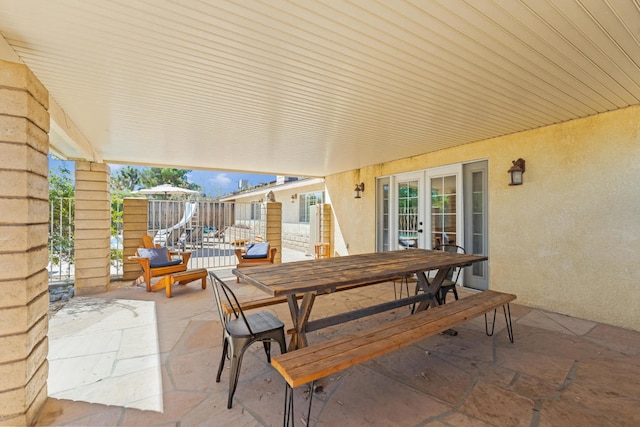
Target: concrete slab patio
column 144, row 359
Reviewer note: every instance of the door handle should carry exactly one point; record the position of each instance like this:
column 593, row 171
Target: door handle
column 420, row 230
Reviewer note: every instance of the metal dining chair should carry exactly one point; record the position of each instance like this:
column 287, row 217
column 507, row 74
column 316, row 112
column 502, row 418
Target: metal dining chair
column 451, row 281
column 240, row 331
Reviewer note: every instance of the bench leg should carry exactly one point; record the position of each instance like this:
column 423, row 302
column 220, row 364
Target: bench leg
column 507, row 318
column 289, row 419
column 288, row 406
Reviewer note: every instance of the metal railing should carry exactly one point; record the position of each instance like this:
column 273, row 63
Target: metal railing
column 61, row 242
column 209, row 229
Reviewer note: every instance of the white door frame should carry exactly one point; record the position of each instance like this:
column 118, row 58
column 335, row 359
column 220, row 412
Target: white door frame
column 455, row 170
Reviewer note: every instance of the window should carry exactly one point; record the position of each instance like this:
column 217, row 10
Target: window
column 306, row 201
column 256, row 208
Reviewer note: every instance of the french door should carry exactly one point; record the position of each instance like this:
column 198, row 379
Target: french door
column 436, row 206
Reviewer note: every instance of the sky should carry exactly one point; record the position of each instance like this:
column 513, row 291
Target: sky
column 213, row 183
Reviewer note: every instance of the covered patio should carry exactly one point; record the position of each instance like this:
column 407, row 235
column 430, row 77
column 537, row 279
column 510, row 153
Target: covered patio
column 384, row 96
column 561, row 371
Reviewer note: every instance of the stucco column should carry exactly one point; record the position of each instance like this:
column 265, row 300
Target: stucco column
column 92, row 228
column 135, row 222
column 273, row 231
column 24, row 194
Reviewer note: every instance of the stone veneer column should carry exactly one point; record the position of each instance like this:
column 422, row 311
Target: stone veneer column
column 24, row 206
column 135, row 222
column 326, row 229
column 92, row 228
column 273, row 233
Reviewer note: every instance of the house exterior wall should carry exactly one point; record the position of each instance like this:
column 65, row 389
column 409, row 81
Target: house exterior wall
column 567, row 240
column 295, row 235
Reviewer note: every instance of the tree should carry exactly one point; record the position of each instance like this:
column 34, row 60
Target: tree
column 126, row 179
column 178, row 177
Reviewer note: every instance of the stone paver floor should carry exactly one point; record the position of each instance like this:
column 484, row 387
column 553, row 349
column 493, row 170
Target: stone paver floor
column 144, row 359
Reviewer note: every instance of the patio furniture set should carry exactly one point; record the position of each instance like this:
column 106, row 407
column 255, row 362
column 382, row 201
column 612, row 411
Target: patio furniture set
column 299, row 283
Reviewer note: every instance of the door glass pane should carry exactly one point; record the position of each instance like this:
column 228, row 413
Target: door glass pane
column 449, row 183
column 385, row 217
column 383, row 221
column 478, row 221
column 443, row 210
column 408, row 214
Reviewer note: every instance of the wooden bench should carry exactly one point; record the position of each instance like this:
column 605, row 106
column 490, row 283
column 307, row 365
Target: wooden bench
column 319, row 360
column 181, row 278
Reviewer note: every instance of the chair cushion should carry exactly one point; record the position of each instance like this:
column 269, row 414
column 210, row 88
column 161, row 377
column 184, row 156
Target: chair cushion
column 158, row 257
column 257, row 250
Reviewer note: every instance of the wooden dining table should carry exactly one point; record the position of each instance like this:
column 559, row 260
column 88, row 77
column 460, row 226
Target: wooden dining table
column 321, row 276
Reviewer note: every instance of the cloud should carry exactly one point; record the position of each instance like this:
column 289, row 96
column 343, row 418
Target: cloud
column 221, row 179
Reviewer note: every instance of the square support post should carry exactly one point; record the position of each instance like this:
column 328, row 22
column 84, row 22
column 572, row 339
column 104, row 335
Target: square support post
column 24, row 218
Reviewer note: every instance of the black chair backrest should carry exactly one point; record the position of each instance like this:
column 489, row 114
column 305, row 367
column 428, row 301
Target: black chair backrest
column 221, row 289
column 454, row 273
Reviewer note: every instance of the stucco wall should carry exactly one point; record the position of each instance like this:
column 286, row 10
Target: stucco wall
column 295, row 235
column 568, row 239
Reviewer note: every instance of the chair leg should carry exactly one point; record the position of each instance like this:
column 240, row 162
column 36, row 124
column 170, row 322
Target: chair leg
column 236, row 364
column 147, row 280
column 225, row 349
column 444, row 291
column 267, row 349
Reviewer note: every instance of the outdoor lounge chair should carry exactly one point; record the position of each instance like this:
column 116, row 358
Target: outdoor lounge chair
column 256, row 254
column 156, row 260
column 240, row 331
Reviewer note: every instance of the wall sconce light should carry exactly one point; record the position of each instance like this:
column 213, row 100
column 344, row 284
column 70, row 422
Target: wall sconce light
column 359, row 189
column 294, row 197
column 516, row 171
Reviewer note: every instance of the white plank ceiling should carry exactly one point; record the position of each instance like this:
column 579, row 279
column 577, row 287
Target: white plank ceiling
column 318, row 87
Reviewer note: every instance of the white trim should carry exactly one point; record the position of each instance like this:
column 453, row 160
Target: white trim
column 439, row 172
column 275, row 188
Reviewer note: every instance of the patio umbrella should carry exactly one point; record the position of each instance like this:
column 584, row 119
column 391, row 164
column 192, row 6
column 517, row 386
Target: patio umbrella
column 165, row 189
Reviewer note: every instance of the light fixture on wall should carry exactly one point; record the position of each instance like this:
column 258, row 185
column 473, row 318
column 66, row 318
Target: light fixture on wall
column 516, row 171
column 359, row 189
column 294, row 197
